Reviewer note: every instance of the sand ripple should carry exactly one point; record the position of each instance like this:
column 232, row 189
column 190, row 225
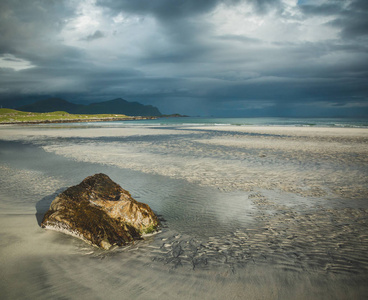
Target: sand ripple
column 323, row 240
column 321, row 165
column 258, row 213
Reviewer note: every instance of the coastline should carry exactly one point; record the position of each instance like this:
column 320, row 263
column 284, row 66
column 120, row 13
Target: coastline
column 108, row 119
column 307, row 131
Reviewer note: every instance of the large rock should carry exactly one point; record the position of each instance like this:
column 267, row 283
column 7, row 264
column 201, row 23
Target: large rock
column 100, row 212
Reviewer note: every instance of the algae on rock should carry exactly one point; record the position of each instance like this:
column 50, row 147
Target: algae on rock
column 100, row 212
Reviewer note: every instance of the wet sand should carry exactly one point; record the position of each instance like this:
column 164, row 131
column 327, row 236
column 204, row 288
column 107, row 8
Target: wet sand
column 328, row 162
column 255, row 212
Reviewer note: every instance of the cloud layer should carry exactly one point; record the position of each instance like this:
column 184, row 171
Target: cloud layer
column 211, row 57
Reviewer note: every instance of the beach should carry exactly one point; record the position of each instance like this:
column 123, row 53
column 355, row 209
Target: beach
column 255, row 212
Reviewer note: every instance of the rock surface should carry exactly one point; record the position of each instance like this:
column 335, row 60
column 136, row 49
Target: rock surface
column 101, row 213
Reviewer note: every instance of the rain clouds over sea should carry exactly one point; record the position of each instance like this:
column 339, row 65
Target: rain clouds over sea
column 246, row 212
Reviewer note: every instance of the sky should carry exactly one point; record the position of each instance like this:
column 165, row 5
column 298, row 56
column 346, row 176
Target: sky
column 198, row 57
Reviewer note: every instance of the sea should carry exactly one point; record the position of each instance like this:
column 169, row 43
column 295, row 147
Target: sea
column 317, row 122
column 244, row 215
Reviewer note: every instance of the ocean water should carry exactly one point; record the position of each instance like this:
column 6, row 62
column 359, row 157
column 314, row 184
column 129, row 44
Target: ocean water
column 318, row 122
column 210, row 121
column 246, row 213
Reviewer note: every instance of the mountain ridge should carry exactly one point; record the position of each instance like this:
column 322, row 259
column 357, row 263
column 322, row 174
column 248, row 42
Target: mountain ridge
column 115, row 106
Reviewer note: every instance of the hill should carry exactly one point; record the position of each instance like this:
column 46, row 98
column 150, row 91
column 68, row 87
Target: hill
column 51, row 104
column 116, row 106
column 11, row 116
column 121, row 106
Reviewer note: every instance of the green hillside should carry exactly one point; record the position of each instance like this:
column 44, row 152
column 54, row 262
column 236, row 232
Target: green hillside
column 10, row 116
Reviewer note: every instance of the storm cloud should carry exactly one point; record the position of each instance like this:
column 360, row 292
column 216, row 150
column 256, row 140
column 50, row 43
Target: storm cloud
column 211, row 57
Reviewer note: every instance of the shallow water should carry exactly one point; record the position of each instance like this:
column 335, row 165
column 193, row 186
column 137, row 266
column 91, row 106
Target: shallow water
column 236, row 224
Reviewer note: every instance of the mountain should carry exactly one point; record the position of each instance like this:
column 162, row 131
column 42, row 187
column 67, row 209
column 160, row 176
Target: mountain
column 14, row 101
column 116, row 106
column 121, row 106
column 49, row 105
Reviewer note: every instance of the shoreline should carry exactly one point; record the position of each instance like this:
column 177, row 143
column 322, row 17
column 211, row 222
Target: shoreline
column 308, row 161
column 36, row 122
column 291, row 131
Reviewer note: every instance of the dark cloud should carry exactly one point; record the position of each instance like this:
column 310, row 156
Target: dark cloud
column 211, row 57
column 353, row 25
column 324, row 9
column 171, row 10
column 351, row 18
column 11, row 59
column 239, row 38
column 163, row 9
column 95, row 36
column 24, row 24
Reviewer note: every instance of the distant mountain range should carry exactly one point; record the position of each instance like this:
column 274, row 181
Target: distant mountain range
column 116, row 106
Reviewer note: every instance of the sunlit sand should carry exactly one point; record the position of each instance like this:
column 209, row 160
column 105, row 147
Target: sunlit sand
column 252, row 212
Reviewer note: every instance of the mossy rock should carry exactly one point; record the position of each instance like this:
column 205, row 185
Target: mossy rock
column 100, row 212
